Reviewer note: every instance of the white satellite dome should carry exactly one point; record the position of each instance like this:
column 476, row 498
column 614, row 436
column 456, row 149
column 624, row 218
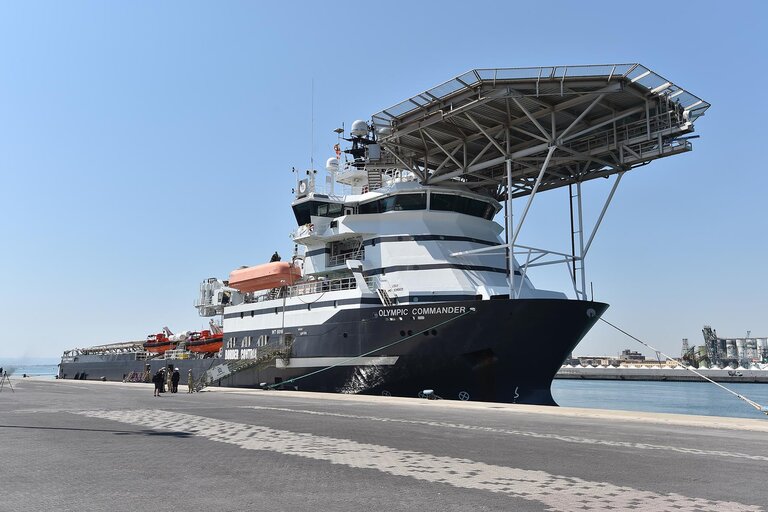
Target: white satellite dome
column 384, row 131
column 332, row 164
column 359, row 128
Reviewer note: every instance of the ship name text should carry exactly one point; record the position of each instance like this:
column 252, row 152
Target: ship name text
column 423, row 310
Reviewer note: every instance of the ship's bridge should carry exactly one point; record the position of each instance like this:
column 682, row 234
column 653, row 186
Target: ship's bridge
column 513, row 132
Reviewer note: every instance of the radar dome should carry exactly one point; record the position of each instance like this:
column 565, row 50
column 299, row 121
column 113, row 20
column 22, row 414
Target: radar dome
column 384, row 131
column 332, row 164
column 359, row 128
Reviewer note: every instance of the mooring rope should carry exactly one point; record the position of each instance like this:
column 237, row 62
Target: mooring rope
column 692, row 370
column 278, row 384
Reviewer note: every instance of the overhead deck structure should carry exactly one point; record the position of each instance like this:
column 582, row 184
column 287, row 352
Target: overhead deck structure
column 514, row 132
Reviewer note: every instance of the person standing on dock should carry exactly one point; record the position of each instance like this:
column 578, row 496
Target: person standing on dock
column 158, row 379
column 190, row 382
column 175, row 380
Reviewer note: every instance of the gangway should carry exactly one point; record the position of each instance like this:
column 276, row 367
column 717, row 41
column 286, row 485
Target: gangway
column 515, row 132
column 264, row 358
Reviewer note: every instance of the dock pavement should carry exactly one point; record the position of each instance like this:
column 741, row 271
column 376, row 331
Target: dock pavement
column 89, row 445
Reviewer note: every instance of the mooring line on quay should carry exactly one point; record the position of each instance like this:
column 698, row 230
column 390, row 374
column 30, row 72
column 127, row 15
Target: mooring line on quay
column 754, row 404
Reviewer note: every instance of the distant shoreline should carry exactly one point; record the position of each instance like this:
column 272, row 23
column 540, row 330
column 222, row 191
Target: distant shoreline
column 662, row 374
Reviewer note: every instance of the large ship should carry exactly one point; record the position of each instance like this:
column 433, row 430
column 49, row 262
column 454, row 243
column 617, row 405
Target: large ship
column 407, row 276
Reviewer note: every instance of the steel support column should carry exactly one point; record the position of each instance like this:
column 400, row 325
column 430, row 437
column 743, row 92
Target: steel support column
column 581, row 243
column 508, row 228
column 532, row 195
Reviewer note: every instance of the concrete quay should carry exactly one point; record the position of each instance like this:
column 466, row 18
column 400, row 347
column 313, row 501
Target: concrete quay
column 89, row 445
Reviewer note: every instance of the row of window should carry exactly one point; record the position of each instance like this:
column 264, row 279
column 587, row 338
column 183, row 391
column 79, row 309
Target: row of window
column 399, row 202
column 304, row 211
column 438, row 202
column 246, row 341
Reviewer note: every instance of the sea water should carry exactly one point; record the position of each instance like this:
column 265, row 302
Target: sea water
column 701, row 398
column 32, row 370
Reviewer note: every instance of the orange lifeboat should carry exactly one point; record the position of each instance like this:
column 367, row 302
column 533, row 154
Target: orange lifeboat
column 263, row 277
column 158, row 343
column 205, row 342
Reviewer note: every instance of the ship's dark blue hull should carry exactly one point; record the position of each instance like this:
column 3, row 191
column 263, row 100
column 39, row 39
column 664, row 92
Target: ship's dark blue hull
column 493, row 350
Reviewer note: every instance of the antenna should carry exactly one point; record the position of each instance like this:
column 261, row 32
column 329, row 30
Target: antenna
column 312, row 128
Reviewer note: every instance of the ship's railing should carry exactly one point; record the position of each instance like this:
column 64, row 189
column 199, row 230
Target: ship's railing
column 339, row 259
column 630, row 132
column 310, row 287
column 322, row 285
column 116, row 348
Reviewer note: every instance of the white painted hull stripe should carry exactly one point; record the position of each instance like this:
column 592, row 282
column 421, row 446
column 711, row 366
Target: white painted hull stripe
column 324, row 362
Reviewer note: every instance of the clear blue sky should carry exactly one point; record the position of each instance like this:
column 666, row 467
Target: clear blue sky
column 145, row 146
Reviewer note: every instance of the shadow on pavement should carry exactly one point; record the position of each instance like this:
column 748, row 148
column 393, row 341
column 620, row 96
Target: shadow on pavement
column 117, row 432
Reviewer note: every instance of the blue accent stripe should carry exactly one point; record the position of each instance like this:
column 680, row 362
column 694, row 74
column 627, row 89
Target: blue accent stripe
column 437, row 266
column 427, row 238
column 411, row 238
column 317, row 252
column 426, row 299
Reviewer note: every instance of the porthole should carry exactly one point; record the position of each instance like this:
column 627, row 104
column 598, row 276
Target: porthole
column 410, row 332
column 402, row 333
column 434, row 332
column 344, row 335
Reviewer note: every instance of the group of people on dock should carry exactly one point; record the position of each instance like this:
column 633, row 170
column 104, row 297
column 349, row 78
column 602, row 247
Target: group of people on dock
column 170, row 379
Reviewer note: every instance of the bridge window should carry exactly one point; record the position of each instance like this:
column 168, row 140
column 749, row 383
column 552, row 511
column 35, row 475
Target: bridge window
column 399, row 202
column 304, row 211
column 461, row 204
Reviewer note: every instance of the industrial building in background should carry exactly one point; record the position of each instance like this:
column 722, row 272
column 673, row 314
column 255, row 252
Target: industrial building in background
column 718, row 352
